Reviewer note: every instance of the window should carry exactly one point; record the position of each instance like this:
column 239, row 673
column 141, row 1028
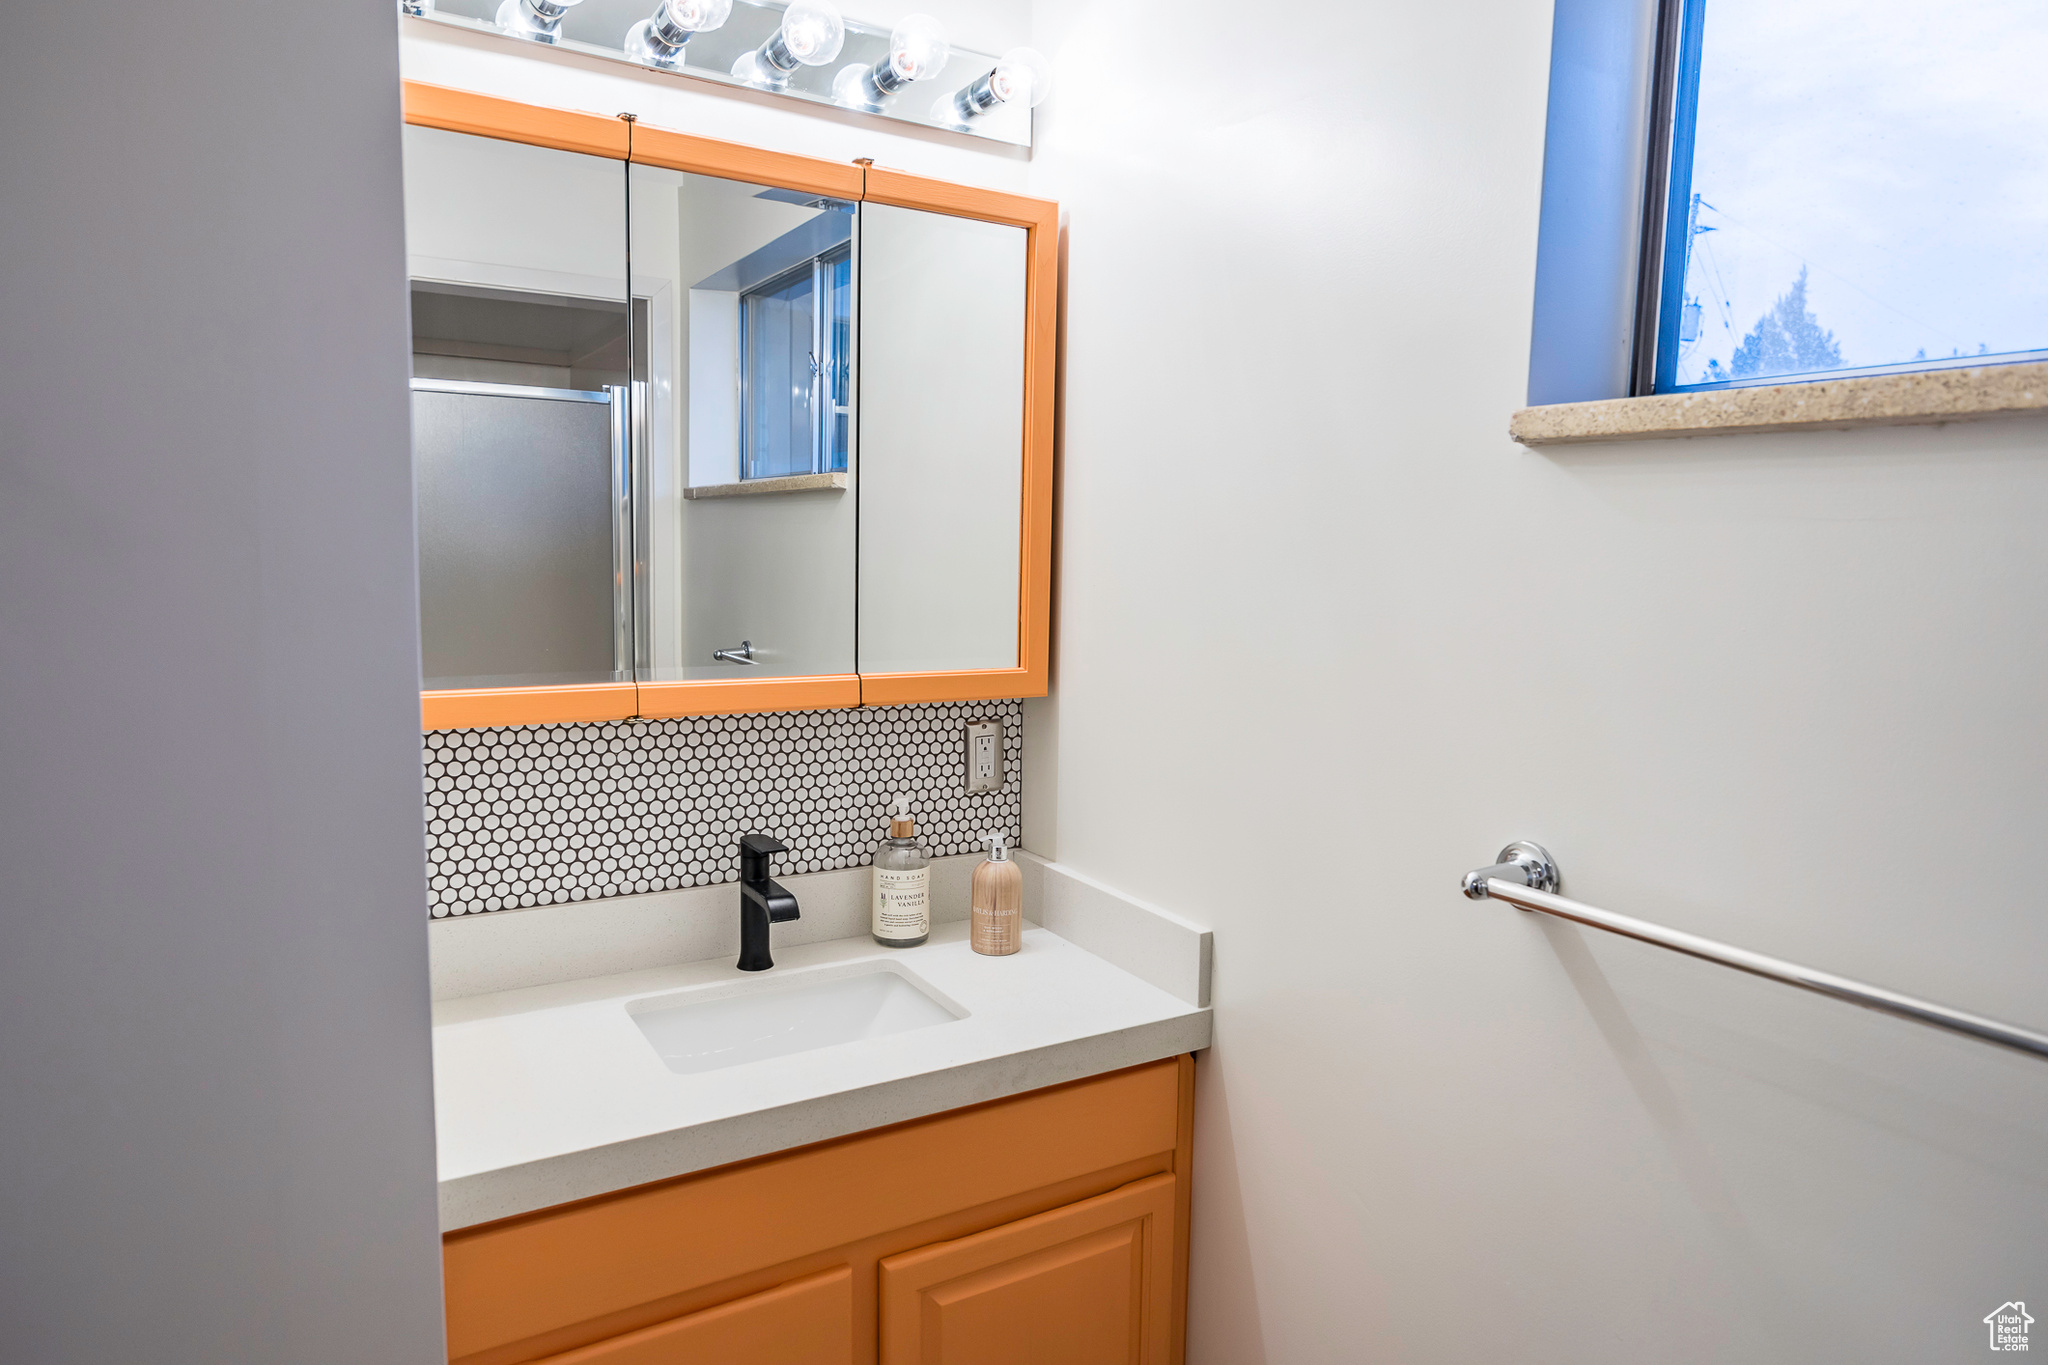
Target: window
column 1852, row 186
column 796, row 349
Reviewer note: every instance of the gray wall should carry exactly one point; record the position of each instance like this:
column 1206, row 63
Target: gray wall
column 1328, row 639
column 217, row 1142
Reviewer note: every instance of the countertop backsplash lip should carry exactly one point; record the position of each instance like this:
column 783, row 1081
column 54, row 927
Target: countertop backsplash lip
column 526, row 816
column 511, row 950
column 564, row 951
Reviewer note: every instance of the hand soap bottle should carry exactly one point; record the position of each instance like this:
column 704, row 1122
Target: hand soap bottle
column 997, row 916
column 903, row 883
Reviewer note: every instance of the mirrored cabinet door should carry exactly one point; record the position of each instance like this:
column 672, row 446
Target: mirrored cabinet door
column 523, row 353
column 702, row 428
column 747, row 460
column 942, row 439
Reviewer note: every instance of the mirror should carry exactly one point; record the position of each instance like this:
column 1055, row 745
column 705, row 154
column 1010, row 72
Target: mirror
column 942, row 440
column 522, row 354
column 748, row 464
column 689, row 443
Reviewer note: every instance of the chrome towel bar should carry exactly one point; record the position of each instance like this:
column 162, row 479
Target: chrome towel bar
column 1526, row 876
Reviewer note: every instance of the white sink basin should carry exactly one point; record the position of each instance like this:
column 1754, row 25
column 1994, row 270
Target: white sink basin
column 751, row 1022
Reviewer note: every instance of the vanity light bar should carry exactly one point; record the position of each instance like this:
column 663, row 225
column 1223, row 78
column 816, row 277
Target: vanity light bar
column 787, row 48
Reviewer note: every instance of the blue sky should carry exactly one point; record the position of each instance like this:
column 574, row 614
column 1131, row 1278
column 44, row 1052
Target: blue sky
column 1899, row 150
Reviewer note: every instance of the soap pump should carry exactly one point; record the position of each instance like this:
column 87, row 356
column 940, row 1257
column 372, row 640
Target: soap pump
column 903, row 883
column 997, row 915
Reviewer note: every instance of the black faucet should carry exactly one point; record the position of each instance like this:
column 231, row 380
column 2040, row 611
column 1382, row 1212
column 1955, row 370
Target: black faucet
column 762, row 902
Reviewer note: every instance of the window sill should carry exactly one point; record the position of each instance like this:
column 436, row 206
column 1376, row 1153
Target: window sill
column 788, row 483
column 1885, row 400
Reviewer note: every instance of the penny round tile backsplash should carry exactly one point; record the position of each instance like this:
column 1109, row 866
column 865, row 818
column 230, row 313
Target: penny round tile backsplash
column 543, row 814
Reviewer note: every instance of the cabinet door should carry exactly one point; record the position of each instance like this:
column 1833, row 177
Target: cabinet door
column 1088, row 1284
column 958, row 326
column 522, row 350
column 804, row 1322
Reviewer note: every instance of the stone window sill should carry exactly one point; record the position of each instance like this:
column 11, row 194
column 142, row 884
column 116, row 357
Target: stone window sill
column 788, row 483
column 1923, row 397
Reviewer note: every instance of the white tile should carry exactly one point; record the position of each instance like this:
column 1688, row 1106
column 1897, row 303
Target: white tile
column 558, row 814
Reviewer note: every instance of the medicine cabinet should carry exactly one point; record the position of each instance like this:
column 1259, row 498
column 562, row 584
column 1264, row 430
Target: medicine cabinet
column 701, row 428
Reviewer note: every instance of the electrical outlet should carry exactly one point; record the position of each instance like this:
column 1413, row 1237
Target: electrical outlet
column 984, row 756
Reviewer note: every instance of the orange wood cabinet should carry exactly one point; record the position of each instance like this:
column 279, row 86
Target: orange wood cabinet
column 1049, row 1227
column 1083, row 1284
column 807, row 1319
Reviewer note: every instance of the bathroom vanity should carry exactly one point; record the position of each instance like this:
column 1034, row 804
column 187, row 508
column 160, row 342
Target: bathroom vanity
column 1057, row 1218
column 704, row 430
column 863, row 1155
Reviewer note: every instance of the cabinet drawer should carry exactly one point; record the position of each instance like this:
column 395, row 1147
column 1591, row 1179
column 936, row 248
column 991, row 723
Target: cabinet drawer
column 541, row 1273
column 1087, row 1284
column 804, row 1322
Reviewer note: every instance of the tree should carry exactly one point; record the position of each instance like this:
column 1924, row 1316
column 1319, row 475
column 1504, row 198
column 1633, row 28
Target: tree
column 1786, row 340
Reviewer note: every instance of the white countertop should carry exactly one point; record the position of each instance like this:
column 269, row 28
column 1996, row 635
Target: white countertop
column 549, row 1093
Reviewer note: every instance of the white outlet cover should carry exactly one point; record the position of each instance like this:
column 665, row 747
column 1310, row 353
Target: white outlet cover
column 984, row 756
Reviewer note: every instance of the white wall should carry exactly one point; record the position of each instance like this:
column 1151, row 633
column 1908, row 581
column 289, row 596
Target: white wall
column 483, row 211
column 984, row 25
column 1327, row 640
column 773, row 568
column 216, row 1110
column 712, row 431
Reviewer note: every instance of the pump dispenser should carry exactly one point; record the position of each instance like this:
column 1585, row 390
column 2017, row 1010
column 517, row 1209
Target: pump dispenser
column 996, row 926
column 903, row 883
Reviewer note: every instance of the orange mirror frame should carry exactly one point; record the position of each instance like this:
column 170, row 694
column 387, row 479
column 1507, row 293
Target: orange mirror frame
column 458, row 111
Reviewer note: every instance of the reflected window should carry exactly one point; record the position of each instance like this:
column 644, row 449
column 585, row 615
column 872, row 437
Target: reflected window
column 796, row 369
column 1854, row 187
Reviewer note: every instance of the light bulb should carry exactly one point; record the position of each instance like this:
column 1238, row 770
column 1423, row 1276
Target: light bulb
column 917, row 52
column 811, row 35
column 540, row 20
column 917, row 49
column 854, row 87
column 813, row 32
column 1020, row 76
column 659, row 40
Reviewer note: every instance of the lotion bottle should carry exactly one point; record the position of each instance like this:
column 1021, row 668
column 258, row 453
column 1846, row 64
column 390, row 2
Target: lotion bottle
column 903, row 883
column 997, row 915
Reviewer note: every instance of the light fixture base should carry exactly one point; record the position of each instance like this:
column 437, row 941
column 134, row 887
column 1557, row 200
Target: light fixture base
column 599, row 31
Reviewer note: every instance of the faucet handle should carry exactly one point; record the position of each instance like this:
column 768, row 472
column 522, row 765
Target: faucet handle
column 762, row 844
